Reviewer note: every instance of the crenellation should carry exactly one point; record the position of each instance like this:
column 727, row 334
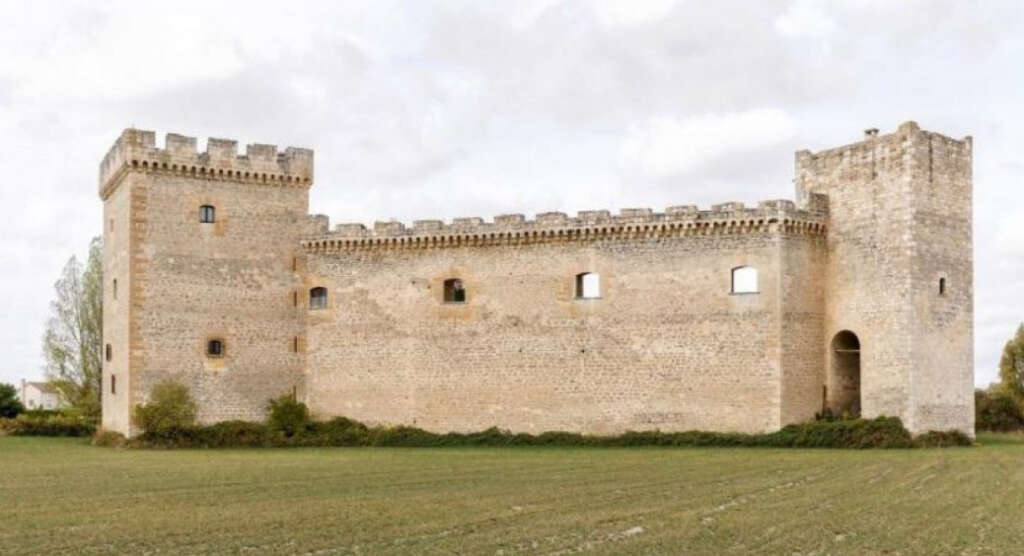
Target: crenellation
column 136, row 151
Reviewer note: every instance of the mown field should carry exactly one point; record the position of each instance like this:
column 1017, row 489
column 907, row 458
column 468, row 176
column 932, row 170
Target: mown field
column 64, row 496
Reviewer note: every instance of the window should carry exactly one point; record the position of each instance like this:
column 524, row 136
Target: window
column 215, row 348
column 744, row 280
column 114, row 287
column 942, row 286
column 454, row 292
column 295, row 344
column 109, row 352
column 113, row 384
column 206, row 214
column 588, row 285
column 318, row 298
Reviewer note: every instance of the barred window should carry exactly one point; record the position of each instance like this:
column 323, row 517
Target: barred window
column 207, row 214
column 215, row 348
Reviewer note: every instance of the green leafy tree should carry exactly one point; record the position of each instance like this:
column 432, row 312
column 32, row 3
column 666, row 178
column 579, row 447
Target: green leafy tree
column 1011, row 365
column 73, row 341
column 10, row 405
column 170, row 407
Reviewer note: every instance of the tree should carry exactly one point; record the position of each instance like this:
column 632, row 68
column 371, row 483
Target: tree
column 73, row 341
column 1011, row 365
column 10, row 405
column 170, row 407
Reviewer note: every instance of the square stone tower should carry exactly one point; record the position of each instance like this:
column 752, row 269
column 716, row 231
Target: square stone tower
column 899, row 279
column 201, row 268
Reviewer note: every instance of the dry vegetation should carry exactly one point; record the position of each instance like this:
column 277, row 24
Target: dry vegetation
column 62, row 495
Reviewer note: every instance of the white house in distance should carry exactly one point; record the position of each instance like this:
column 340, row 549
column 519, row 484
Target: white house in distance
column 39, row 395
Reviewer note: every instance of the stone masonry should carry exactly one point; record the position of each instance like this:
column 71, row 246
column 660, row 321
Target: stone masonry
column 856, row 298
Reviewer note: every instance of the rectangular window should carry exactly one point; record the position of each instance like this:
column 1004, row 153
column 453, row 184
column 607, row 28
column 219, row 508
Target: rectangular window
column 113, row 384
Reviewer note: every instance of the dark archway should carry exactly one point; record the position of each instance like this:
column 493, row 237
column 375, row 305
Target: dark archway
column 845, row 373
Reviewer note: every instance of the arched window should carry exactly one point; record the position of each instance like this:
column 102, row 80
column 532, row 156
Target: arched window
column 942, row 286
column 744, row 280
column 109, row 352
column 318, row 298
column 215, row 348
column 207, row 214
column 454, row 292
column 588, row 285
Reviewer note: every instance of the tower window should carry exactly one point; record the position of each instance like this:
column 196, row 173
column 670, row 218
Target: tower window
column 207, row 214
column 588, row 285
column 942, row 286
column 113, row 384
column 109, row 352
column 454, row 292
column 114, row 288
column 215, row 348
column 744, row 280
column 318, row 298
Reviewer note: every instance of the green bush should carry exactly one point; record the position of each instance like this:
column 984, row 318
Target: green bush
column 288, row 416
column 53, row 425
column 10, row 405
column 170, row 407
column 996, row 410
column 108, row 439
column 883, row 432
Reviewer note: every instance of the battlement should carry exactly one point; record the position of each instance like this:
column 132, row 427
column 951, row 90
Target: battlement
column 724, row 218
column 135, row 150
column 877, row 154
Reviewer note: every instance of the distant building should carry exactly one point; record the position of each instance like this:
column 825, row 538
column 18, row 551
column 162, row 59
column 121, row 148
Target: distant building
column 39, row 395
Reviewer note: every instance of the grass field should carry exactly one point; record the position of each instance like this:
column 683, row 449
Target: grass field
column 62, row 495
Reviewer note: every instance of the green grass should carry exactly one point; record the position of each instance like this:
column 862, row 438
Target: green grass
column 64, row 496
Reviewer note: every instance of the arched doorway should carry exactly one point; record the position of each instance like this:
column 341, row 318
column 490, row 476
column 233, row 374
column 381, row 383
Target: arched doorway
column 845, row 379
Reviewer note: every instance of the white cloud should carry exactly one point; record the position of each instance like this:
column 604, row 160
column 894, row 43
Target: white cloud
column 666, row 146
column 631, row 12
column 805, row 18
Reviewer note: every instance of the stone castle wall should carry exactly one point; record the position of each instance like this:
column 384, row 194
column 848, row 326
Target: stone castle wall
column 667, row 345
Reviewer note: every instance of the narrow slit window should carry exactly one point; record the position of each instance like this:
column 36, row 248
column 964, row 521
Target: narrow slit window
column 588, row 285
column 744, row 280
column 215, row 348
column 109, row 352
column 207, row 214
column 295, row 344
column 942, row 286
column 454, row 291
column 113, row 384
column 114, row 288
column 318, row 298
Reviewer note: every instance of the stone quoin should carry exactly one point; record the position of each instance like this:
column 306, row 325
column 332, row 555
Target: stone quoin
column 856, row 297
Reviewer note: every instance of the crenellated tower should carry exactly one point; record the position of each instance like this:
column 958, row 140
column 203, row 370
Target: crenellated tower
column 201, row 268
column 899, row 278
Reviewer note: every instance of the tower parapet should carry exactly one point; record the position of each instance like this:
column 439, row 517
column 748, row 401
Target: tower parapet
column 136, row 150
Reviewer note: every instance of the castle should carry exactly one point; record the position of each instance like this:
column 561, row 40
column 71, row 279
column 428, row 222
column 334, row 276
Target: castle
column 857, row 297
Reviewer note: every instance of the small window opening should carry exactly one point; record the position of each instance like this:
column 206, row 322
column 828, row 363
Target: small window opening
column 114, row 288
column 295, row 344
column 295, row 299
column 942, row 286
column 454, row 292
column 109, row 352
column 588, row 285
column 318, row 298
column 207, row 214
column 744, row 280
column 215, row 348
column 113, row 384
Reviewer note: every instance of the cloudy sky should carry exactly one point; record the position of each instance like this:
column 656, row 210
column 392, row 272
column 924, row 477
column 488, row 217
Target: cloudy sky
column 423, row 109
